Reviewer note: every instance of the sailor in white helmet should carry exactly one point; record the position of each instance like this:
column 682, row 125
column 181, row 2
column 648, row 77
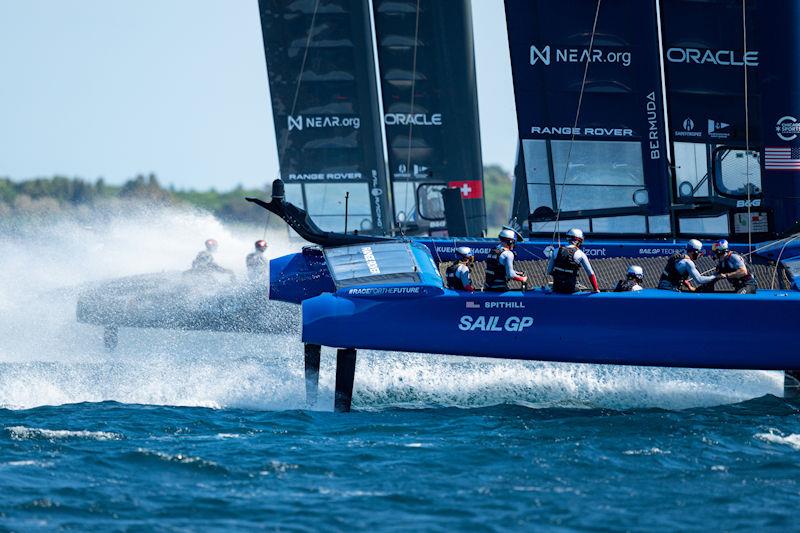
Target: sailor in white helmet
column 565, row 263
column 500, row 263
column 633, row 280
column 458, row 274
column 680, row 268
column 733, row 267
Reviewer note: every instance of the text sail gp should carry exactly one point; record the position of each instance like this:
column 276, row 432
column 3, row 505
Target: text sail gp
column 494, row 323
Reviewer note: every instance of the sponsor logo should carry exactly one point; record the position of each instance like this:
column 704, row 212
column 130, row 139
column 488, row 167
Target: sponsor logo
column 504, row 305
column 377, row 192
column 787, row 128
column 415, row 119
column 717, row 129
column 657, row 251
column 751, row 203
column 301, row 121
column 588, row 132
column 369, row 258
column 688, row 129
column 493, row 323
column 702, row 56
column 652, row 120
column 325, row 176
column 452, row 250
column 548, row 55
column 473, row 305
column 595, row 251
column 378, row 291
column 417, row 171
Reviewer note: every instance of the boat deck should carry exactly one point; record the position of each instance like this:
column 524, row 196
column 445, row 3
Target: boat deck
column 611, row 270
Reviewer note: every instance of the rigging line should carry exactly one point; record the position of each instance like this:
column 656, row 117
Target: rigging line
column 285, row 140
column 303, row 64
column 747, row 130
column 785, row 240
column 778, row 260
column 575, row 125
column 266, row 225
column 411, row 122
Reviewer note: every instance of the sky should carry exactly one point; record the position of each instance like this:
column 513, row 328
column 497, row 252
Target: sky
column 102, row 88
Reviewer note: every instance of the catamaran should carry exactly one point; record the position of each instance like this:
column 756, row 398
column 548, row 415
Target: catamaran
column 642, row 122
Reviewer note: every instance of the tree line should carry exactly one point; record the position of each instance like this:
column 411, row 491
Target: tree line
column 61, row 194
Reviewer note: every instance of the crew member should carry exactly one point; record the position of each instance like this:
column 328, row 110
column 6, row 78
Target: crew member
column 633, row 280
column 500, row 263
column 565, row 263
column 680, row 267
column 204, row 262
column 733, row 267
column 256, row 261
column 458, row 274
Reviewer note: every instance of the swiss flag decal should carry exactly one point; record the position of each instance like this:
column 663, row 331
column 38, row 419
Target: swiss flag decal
column 470, row 189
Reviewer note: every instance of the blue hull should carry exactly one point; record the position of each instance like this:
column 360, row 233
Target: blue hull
column 648, row 328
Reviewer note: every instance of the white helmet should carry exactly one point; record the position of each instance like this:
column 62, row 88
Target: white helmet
column 720, row 247
column 575, row 235
column 694, row 246
column 508, row 234
column 635, row 271
column 464, row 252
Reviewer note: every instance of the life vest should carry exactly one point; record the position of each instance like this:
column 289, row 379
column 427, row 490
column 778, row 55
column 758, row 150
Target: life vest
column 451, row 276
column 257, row 265
column 203, row 261
column 725, row 266
column 625, row 285
column 565, row 270
column 495, row 272
column 670, row 275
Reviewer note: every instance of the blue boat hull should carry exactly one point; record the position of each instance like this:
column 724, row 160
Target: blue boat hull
column 648, row 328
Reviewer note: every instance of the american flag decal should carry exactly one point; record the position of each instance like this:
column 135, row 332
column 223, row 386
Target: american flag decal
column 473, row 305
column 781, row 158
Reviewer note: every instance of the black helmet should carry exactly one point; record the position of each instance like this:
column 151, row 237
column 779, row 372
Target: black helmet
column 212, row 245
column 261, row 245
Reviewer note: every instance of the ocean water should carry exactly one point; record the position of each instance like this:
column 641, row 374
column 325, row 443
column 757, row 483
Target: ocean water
column 204, row 431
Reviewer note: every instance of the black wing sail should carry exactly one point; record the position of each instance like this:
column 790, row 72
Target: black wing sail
column 430, row 106
column 325, row 106
column 598, row 61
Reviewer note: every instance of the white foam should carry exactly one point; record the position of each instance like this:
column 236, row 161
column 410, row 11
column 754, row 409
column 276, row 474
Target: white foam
column 26, row 433
column 46, row 358
column 646, row 451
column 777, row 437
column 419, row 381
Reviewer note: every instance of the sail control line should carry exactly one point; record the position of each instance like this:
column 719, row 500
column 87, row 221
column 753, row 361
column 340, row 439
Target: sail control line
column 747, row 132
column 556, row 233
column 411, row 122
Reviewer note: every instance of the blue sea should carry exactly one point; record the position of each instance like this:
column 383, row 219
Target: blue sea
column 193, row 431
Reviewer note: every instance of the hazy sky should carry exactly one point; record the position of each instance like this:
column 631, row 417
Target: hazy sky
column 113, row 88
